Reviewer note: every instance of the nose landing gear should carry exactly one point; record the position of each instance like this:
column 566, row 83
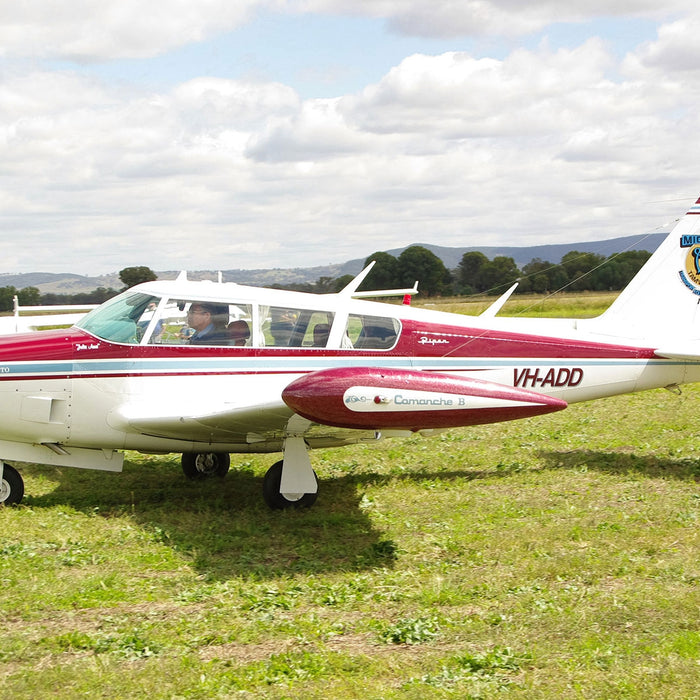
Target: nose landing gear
column 11, row 485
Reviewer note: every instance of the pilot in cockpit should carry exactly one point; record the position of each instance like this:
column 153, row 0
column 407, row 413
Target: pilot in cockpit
column 209, row 323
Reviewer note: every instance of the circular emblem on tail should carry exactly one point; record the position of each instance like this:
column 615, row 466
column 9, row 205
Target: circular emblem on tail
column 690, row 274
column 692, row 264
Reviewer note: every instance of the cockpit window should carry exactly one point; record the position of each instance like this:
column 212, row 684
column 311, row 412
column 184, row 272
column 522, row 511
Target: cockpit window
column 122, row 319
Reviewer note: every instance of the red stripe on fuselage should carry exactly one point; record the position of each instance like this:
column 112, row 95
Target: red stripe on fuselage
column 455, row 341
column 417, row 340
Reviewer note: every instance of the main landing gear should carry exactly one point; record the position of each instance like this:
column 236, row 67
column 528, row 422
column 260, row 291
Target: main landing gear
column 204, row 465
column 279, row 500
column 11, row 485
column 289, row 483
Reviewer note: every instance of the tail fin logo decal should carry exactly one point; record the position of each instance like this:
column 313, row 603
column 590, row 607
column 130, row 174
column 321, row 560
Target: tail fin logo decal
column 690, row 275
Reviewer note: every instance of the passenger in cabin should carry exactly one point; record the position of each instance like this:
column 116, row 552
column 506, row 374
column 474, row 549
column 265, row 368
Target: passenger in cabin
column 282, row 326
column 321, row 331
column 239, row 332
column 209, row 323
column 376, row 338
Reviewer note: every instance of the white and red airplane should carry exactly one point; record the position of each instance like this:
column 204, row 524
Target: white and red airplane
column 207, row 369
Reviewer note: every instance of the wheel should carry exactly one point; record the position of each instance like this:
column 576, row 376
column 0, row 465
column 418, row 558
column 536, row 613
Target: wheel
column 280, row 501
column 205, row 465
column 11, row 486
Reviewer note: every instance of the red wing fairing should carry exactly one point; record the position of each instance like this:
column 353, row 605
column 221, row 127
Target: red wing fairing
column 376, row 398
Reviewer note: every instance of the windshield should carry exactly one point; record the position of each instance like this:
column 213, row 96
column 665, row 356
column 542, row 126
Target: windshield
column 123, row 319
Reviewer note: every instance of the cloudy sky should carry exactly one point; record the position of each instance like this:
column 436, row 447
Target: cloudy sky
column 225, row 134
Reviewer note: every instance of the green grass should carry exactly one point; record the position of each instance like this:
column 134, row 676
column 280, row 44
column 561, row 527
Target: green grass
column 560, row 305
column 550, row 558
column 554, row 557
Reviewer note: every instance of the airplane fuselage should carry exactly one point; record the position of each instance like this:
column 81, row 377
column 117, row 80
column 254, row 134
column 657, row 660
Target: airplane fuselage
column 69, row 388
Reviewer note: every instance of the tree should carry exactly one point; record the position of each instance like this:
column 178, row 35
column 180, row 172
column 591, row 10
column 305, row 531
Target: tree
column 618, row 270
column 324, row 285
column 497, row 275
column 342, row 282
column 7, row 295
column 29, row 296
column 418, row 263
column 384, row 274
column 542, row 276
column 468, row 270
column 131, row 276
column 578, row 267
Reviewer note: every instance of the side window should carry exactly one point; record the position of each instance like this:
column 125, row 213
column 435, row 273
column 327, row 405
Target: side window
column 285, row 327
column 318, row 329
column 186, row 322
column 278, row 326
column 372, row 332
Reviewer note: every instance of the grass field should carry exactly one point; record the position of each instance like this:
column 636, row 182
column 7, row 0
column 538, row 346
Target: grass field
column 555, row 557
column 560, row 305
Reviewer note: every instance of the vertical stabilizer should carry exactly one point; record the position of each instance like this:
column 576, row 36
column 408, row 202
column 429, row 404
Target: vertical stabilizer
column 661, row 303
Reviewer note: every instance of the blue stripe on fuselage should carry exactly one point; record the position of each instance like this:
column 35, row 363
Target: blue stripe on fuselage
column 273, row 365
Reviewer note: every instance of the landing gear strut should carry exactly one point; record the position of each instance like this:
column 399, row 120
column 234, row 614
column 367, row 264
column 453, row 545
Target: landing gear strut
column 205, row 465
column 291, row 482
column 11, row 485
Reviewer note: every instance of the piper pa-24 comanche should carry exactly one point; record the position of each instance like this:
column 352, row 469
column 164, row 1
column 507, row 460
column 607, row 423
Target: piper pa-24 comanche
column 207, row 369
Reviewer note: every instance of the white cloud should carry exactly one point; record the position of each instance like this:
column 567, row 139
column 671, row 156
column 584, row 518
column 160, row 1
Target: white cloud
column 540, row 145
column 317, row 131
column 98, row 30
column 102, row 30
column 675, row 50
column 510, row 18
column 461, row 97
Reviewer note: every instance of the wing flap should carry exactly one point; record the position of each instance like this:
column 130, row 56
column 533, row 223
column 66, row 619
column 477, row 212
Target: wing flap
column 228, row 423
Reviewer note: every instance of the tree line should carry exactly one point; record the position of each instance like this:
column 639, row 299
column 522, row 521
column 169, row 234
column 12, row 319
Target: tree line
column 475, row 274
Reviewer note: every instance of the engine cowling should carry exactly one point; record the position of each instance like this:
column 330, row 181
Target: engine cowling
column 378, row 398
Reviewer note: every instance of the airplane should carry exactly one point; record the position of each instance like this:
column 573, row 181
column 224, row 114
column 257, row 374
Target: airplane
column 207, row 369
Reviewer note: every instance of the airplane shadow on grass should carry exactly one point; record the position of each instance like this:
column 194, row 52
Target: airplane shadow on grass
column 226, row 529
column 623, row 462
column 223, row 525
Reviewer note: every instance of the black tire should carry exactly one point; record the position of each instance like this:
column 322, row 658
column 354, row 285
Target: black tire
column 280, row 501
column 11, row 486
column 205, row 465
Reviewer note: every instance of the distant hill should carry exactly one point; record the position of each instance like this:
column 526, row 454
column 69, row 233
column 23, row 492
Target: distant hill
column 59, row 282
column 553, row 253
column 67, row 283
column 451, row 258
